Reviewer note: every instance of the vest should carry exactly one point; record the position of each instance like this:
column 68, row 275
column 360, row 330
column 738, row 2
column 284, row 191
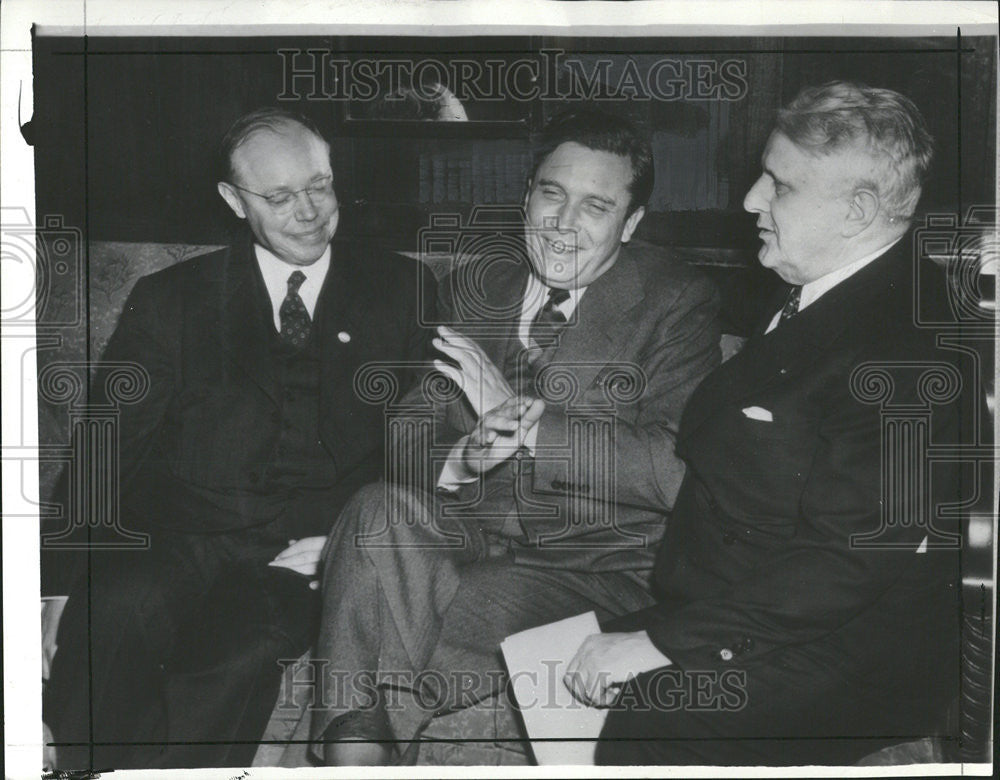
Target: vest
column 299, row 458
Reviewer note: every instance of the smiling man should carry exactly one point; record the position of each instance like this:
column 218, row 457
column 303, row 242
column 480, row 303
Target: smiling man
column 293, row 225
column 807, row 580
column 235, row 462
column 546, row 504
column 579, row 213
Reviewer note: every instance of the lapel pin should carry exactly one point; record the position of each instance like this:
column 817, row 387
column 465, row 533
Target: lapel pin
column 344, row 336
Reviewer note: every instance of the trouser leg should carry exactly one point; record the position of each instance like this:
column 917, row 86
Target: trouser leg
column 115, row 637
column 497, row 598
column 391, row 567
column 800, row 708
column 224, row 679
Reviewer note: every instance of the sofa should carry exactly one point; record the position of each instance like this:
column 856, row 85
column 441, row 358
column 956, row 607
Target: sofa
column 497, row 733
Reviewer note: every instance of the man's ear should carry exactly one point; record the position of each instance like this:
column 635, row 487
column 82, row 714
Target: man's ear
column 231, row 197
column 632, row 223
column 861, row 212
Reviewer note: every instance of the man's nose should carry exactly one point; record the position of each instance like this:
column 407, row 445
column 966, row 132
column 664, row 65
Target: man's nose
column 756, row 199
column 305, row 211
column 567, row 217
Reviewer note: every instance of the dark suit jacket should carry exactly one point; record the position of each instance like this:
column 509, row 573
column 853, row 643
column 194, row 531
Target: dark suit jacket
column 209, row 422
column 643, row 336
column 758, row 557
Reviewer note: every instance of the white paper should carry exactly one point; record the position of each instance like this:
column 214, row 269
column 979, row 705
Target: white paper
column 537, row 660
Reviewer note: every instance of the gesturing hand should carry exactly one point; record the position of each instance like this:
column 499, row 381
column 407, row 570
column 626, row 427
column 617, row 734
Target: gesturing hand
column 500, row 433
column 482, row 382
column 605, row 661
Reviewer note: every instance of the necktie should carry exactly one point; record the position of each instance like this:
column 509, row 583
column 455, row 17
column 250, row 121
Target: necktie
column 549, row 320
column 791, row 307
column 295, row 322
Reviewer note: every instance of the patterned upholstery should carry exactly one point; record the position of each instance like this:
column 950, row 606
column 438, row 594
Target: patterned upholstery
column 114, row 268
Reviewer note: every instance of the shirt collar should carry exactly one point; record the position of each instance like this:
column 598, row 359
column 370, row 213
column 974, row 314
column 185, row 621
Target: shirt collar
column 538, row 292
column 276, row 271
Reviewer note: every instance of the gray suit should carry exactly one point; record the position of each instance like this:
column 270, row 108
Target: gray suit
column 415, row 581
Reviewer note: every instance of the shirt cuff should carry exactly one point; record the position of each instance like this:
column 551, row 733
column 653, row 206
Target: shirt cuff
column 453, row 473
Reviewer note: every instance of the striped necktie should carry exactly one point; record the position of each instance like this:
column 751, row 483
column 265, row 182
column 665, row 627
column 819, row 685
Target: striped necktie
column 549, row 320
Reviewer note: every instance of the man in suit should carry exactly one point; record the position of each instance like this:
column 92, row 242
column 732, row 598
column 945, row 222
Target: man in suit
column 236, row 462
column 554, row 465
column 808, row 608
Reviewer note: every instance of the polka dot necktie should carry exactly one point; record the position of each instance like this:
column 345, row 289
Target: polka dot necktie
column 295, row 322
column 549, row 320
column 791, row 307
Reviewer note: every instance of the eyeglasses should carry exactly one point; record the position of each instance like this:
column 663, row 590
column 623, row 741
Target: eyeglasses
column 284, row 200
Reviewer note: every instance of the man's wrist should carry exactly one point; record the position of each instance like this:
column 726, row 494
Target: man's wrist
column 465, row 463
column 454, row 472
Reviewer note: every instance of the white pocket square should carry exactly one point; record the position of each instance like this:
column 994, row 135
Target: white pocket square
column 758, row 413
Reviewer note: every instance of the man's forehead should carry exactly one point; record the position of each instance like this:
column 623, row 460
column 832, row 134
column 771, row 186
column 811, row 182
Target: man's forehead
column 782, row 151
column 266, row 151
column 783, row 157
column 571, row 159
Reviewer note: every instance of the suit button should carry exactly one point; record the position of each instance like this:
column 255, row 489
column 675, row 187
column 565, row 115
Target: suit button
column 726, row 654
column 728, row 538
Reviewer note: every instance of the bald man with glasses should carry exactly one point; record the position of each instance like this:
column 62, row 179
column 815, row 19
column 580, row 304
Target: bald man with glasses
column 236, row 462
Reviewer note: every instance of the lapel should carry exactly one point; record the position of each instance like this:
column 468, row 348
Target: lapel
column 339, row 309
column 795, row 344
column 601, row 325
column 246, row 326
column 775, row 303
column 503, row 296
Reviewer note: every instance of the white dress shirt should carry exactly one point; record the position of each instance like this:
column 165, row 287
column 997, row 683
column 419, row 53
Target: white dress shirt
column 454, row 472
column 276, row 273
column 812, row 291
